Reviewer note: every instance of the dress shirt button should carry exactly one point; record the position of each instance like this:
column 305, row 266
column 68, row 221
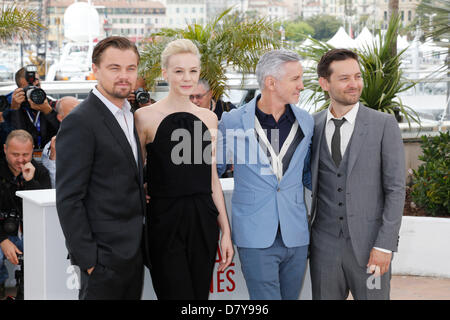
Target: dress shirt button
column 339, row 175
column 340, row 204
column 339, row 189
column 341, row 218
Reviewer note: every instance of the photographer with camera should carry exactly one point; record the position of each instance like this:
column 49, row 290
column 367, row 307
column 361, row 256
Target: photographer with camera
column 18, row 171
column 139, row 97
column 32, row 110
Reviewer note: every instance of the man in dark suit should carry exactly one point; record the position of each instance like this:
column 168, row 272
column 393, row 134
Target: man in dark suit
column 99, row 179
column 358, row 179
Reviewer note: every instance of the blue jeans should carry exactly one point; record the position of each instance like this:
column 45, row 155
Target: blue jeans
column 274, row 273
column 3, row 271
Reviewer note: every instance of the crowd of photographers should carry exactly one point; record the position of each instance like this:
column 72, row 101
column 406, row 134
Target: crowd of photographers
column 29, row 121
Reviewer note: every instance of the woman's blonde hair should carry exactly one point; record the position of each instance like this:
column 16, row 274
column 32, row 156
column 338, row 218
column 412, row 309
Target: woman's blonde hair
column 176, row 47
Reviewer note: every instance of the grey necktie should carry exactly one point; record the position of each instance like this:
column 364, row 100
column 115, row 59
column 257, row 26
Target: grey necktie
column 336, row 141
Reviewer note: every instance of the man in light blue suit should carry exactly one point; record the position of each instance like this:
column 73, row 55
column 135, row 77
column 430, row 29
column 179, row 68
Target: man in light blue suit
column 268, row 141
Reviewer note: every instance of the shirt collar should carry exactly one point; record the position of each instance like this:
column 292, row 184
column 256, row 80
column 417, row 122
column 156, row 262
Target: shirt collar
column 288, row 113
column 349, row 116
column 126, row 107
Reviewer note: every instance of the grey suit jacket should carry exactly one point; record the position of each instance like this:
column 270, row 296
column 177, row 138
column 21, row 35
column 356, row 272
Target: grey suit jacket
column 375, row 181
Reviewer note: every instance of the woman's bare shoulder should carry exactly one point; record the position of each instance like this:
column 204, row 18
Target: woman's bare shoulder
column 208, row 117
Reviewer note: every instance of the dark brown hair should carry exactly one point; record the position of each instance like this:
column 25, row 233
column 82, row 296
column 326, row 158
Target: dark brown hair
column 20, row 74
column 121, row 43
column 323, row 68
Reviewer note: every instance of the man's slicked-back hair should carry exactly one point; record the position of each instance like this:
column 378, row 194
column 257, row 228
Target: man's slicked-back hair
column 323, row 68
column 120, row 43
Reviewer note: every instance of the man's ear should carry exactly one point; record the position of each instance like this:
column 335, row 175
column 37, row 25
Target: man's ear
column 94, row 70
column 269, row 82
column 323, row 82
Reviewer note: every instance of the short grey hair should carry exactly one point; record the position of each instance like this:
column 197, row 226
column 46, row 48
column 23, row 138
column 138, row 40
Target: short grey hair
column 204, row 83
column 270, row 64
column 19, row 134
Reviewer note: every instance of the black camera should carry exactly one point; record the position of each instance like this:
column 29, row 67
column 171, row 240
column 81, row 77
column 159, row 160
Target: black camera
column 142, row 96
column 33, row 93
column 10, row 221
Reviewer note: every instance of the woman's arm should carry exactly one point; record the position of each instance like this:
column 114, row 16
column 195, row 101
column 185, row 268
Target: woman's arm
column 226, row 246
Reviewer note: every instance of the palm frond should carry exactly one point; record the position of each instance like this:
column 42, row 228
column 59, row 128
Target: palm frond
column 226, row 40
column 16, row 21
column 439, row 25
column 382, row 76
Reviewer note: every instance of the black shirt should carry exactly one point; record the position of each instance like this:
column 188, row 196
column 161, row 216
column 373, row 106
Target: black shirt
column 283, row 126
column 9, row 184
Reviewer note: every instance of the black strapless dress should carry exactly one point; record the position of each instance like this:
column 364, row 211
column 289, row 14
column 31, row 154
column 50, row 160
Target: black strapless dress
column 183, row 230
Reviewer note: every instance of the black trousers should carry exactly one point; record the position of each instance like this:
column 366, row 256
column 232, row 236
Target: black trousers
column 107, row 284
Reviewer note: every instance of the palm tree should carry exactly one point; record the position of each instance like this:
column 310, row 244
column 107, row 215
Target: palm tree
column 439, row 26
column 227, row 40
column 16, row 21
column 393, row 11
column 383, row 79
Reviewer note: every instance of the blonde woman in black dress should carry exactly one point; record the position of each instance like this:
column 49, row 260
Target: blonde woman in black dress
column 186, row 207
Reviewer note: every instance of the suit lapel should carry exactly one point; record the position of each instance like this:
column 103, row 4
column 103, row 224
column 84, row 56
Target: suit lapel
column 319, row 129
column 302, row 147
column 358, row 137
column 116, row 131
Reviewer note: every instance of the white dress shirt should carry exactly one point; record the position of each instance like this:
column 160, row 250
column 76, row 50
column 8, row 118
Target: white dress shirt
column 124, row 117
column 346, row 133
column 346, row 129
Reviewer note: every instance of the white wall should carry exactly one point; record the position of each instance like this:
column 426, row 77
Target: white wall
column 424, row 247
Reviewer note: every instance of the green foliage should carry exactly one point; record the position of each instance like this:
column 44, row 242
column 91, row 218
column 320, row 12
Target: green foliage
column 296, row 30
column 314, row 52
column 439, row 26
column 431, row 181
column 227, row 40
column 16, row 21
column 324, row 26
column 382, row 76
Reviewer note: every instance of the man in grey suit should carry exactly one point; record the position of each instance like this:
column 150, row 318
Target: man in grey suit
column 358, row 177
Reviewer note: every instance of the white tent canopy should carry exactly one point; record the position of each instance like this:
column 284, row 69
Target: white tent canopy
column 402, row 42
column 342, row 40
column 364, row 39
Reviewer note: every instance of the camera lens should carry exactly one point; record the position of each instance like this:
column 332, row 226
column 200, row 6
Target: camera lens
column 10, row 226
column 37, row 95
column 142, row 96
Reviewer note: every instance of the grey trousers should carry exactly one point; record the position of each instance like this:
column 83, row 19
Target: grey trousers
column 335, row 271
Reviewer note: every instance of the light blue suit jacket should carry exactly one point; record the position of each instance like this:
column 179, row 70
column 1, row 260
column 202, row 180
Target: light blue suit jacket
column 260, row 202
